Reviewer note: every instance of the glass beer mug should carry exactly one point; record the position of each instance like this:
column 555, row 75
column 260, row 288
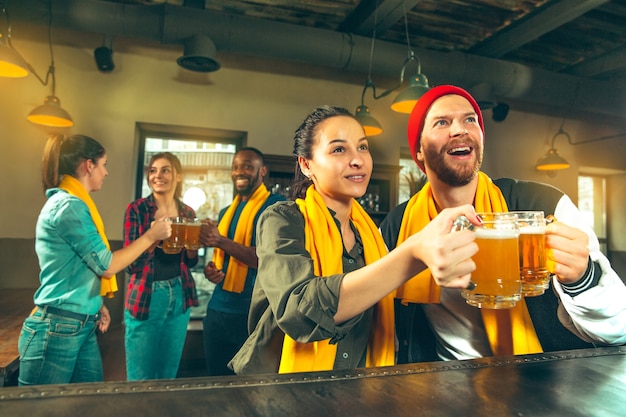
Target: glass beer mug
column 496, row 281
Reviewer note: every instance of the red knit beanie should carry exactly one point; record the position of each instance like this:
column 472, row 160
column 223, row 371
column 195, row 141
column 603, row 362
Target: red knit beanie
column 418, row 115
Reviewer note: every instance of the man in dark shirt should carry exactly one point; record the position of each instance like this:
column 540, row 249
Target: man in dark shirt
column 234, row 265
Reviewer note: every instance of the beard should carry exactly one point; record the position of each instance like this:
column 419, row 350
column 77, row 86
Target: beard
column 454, row 175
column 253, row 182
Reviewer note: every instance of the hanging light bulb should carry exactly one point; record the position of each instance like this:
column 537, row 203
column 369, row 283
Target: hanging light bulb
column 418, row 84
column 12, row 64
column 370, row 125
column 50, row 113
column 406, row 100
column 363, row 113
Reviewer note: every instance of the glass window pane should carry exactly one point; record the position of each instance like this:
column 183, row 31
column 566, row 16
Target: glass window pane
column 592, row 204
column 412, row 179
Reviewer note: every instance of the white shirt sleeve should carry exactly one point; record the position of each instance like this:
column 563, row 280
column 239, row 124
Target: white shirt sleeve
column 597, row 315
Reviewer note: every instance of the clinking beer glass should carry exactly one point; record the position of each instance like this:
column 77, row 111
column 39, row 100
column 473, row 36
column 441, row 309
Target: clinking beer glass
column 496, row 280
column 532, row 246
column 192, row 234
column 176, row 242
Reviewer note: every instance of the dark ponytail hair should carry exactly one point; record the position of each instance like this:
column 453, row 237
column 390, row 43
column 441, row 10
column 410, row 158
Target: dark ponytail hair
column 63, row 154
column 305, row 138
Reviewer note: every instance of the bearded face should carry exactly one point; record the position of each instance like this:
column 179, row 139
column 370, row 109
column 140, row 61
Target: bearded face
column 453, row 172
column 451, row 141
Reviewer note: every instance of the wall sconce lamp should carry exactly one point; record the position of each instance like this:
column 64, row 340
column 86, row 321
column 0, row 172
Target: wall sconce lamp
column 553, row 162
column 50, row 113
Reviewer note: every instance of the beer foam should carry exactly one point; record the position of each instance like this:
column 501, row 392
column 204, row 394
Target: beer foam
column 486, row 233
column 532, row 230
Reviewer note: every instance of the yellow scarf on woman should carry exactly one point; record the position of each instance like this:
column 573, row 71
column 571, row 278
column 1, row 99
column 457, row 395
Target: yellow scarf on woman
column 237, row 271
column 323, row 241
column 108, row 286
column 509, row 331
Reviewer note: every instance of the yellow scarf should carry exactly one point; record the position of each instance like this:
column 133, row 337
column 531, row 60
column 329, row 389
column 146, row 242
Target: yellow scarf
column 108, row 286
column 509, row 331
column 236, row 273
column 323, row 241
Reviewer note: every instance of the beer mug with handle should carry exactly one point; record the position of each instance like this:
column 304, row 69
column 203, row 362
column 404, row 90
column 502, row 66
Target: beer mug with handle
column 496, row 280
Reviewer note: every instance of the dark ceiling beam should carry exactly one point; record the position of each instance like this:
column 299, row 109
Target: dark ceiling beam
column 612, row 61
column 550, row 17
column 196, row 4
column 376, row 14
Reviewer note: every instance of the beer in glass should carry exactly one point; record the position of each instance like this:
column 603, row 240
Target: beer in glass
column 176, row 242
column 192, row 234
column 532, row 246
column 496, row 278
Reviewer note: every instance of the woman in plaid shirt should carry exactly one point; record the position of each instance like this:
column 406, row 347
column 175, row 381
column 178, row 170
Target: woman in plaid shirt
column 161, row 288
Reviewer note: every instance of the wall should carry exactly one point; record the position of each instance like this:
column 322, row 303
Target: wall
column 266, row 99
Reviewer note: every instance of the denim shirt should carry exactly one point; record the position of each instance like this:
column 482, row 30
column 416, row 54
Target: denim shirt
column 72, row 255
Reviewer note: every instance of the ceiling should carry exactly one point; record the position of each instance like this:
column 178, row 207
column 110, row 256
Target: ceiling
column 586, row 38
column 559, row 57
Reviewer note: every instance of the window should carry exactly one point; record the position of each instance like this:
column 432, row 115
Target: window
column 592, row 203
column 206, row 156
column 412, row 179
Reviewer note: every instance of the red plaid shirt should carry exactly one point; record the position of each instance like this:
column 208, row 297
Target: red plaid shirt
column 139, row 216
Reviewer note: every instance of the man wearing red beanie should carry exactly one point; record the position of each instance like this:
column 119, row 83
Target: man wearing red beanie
column 585, row 305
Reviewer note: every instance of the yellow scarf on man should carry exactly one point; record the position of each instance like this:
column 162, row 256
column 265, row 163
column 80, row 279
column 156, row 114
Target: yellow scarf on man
column 509, row 331
column 323, row 241
column 108, row 286
column 237, row 271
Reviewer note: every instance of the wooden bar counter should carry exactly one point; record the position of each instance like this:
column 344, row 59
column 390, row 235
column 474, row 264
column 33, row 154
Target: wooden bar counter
column 590, row 382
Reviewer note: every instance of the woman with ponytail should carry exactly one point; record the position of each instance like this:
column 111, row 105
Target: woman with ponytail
column 58, row 342
column 324, row 293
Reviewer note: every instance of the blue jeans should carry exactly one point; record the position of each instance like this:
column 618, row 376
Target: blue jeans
column 224, row 334
column 154, row 346
column 58, row 350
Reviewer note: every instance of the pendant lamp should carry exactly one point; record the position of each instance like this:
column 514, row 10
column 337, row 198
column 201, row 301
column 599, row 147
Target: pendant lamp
column 50, row 113
column 13, row 65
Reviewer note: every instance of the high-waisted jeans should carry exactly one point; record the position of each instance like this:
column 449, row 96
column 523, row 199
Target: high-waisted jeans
column 154, row 346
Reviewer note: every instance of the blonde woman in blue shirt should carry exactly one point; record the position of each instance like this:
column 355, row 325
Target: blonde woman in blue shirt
column 58, row 342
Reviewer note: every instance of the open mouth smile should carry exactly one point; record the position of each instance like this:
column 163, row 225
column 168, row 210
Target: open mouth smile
column 460, row 151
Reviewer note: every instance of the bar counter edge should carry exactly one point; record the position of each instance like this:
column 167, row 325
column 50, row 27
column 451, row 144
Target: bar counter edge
column 586, row 382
